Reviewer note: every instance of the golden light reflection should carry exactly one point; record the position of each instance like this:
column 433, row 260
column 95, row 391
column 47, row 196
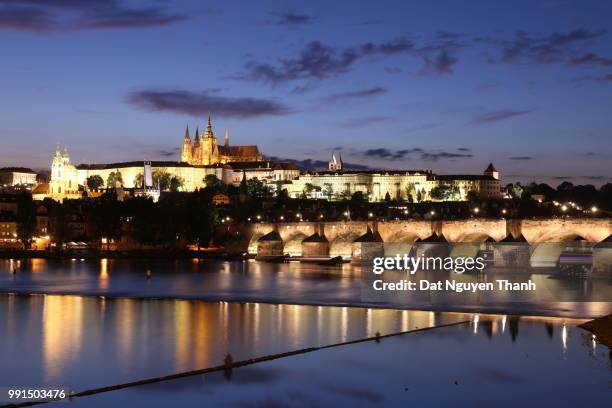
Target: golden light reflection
column 564, row 337
column 62, row 334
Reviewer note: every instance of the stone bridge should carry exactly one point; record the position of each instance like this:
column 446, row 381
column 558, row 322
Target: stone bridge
column 342, row 234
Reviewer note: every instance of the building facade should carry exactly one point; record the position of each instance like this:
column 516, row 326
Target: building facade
column 16, row 176
column 376, row 185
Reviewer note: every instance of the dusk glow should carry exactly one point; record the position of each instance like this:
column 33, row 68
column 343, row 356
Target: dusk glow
column 448, row 86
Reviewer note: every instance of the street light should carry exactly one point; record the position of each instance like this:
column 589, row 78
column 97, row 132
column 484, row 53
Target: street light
column 476, row 210
column 594, row 209
column 504, row 211
column 564, row 208
column 370, row 215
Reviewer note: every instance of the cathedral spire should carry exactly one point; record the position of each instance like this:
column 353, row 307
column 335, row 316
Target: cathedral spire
column 226, row 137
column 187, row 133
column 208, row 132
column 197, row 133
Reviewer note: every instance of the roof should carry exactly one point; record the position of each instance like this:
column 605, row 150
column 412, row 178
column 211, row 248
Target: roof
column 270, row 236
column 450, row 177
column 110, row 166
column 244, row 151
column 316, row 237
column 490, row 168
column 240, row 165
column 373, row 172
column 17, row 170
column 433, row 238
column 42, row 188
column 286, row 166
column 370, row 236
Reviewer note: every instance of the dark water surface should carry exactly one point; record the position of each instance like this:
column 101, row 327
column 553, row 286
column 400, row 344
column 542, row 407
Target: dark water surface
column 87, row 342
column 508, row 362
column 251, row 281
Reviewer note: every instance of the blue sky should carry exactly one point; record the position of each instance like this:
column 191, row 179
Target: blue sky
column 442, row 85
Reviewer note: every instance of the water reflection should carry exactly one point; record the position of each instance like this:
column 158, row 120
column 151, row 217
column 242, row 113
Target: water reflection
column 251, row 281
column 468, row 365
column 53, row 339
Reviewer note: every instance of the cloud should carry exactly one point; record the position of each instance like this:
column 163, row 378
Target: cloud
column 591, row 59
column 590, row 78
column 316, row 61
column 463, row 149
column 320, row 61
column 362, row 121
column 521, row 158
column 310, row 164
column 167, row 152
column 293, row 19
column 360, row 94
column 383, row 153
column 201, row 103
column 396, row 46
column 496, row 116
column 72, row 15
column 444, row 155
column 424, row 126
column 542, row 49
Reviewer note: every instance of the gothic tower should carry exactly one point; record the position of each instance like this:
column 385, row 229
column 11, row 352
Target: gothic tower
column 196, row 155
column 335, row 164
column 210, row 152
column 186, row 150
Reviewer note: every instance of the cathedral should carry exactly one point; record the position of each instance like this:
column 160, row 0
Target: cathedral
column 206, row 151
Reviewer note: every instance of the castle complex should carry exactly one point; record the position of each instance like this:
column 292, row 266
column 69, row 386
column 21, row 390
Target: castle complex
column 232, row 164
column 205, row 150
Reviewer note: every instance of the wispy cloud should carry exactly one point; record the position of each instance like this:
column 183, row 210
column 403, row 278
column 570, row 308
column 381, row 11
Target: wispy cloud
column 359, row 94
column 498, row 115
column 320, row 61
column 362, row 121
column 544, row 49
column 444, row 155
column 293, row 19
column 201, row 103
column 521, row 158
column 71, row 15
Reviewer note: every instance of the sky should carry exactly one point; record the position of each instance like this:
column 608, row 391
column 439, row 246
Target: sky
column 446, row 86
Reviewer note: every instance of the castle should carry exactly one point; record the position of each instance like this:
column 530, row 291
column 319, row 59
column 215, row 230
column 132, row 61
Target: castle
column 206, row 151
column 232, row 164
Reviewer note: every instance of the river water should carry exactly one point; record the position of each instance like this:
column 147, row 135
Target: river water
column 289, row 283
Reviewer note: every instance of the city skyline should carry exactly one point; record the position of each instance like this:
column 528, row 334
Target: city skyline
column 525, row 86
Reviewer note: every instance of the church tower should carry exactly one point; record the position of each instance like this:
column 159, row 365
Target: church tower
column 491, row 171
column 335, row 164
column 210, row 152
column 196, row 153
column 186, row 150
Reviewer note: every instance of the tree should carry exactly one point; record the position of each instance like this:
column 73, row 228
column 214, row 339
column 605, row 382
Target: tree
column 213, row 183
column 358, row 198
column 114, row 179
column 257, row 189
column 139, row 180
column 161, row 179
column 387, row 197
column 26, row 220
column 445, row 193
column 176, row 183
column 515, row 190
column 94, row 182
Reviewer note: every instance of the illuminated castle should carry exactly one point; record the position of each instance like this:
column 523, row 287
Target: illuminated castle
column 206, row 151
